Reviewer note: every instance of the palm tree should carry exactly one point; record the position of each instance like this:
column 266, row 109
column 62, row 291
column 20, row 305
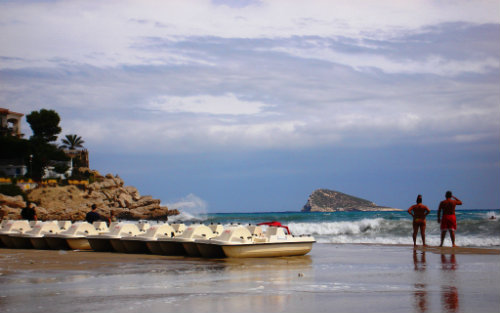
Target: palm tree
column 71, row 142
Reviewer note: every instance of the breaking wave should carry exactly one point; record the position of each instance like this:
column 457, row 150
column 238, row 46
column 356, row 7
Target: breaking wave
column 383, row 231
column 475, row 228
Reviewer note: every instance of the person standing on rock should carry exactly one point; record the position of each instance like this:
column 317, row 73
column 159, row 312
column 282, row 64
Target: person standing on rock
column 93, row 216
column 28, row 212
column 449, row 220
column 419, row 213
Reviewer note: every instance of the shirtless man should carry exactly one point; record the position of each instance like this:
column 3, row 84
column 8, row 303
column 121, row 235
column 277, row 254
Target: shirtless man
column 449, row 220
column 419, row 213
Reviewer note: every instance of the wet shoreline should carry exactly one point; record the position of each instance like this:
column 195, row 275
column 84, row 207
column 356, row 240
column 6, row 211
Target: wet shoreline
column 348, row 277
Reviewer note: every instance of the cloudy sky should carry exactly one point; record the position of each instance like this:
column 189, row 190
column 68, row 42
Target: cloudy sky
column 243, row 106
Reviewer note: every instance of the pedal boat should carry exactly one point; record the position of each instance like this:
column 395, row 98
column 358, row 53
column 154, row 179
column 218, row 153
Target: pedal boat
column 155, row 246
column 185, row 243
column 35, row 237
column 75, row 237
column 109, row 242
column 53, row 241
column 240, row 243
column 210, row 248
column 139, row 243
column 13, row 227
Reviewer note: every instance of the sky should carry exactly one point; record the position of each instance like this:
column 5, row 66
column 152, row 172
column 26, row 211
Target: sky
column 250, row 106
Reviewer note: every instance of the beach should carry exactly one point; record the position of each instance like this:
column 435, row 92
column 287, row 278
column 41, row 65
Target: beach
column 331, row 278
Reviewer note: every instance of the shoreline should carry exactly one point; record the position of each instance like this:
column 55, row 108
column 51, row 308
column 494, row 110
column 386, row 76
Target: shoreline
column 437, row 249
column 388, row 279
column 75, row 260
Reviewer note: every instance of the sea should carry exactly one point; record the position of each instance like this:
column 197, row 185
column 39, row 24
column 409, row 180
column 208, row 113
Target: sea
column 475, row 228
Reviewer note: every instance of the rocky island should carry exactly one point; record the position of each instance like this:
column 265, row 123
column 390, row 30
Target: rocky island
column 72, row 202
column 324, row 200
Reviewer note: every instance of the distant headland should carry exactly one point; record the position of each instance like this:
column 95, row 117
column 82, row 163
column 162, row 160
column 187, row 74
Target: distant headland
column 325, row 200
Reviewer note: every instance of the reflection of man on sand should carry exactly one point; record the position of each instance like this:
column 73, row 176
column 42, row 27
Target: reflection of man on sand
column 419, row 212
column 450, row 298
column 420, row 295
column 449, row 293
column 449, row 265
column 449, row 220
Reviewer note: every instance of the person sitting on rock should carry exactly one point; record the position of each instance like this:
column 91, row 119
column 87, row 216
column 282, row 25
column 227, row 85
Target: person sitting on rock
column 93, row 216
column 28, row 212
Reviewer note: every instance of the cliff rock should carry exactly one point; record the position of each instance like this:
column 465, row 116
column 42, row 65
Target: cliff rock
column 73, row 203
column 324, row 200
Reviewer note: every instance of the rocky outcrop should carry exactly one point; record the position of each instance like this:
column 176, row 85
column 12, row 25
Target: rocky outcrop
column 12, row 202
column 72, row 203
column 324, row 200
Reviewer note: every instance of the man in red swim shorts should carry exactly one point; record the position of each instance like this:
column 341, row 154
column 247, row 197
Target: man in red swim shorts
column 449, row 220
column 419, row 212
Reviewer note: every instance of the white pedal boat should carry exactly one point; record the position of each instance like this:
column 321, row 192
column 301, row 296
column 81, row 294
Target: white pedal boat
column 75, row 237
column 107, row 242
column 139, row 243
column 208, row 249
column 185, row 243
column 35, row 237
column 239, row 242
column 154, row 245
column 13, row 227
column 53, row 241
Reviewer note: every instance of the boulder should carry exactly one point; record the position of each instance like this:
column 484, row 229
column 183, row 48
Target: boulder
column 13, row 202
column 73, row 203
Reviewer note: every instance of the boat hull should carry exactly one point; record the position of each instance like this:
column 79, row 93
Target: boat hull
column 118, row 245
column 191, row 249
column 172, row 248
column 208, row 250
column 78, row 243
column 100, row 244
column 154, row 247
column 57, row 243
column 39, row 243
column 135, row 246
column 267, row 250
column 7, row 241
column 21, row 242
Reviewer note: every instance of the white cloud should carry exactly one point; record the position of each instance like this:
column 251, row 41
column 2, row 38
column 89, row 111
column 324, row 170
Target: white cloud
column 106, row 34
column 187, row 76
column 432, row 64
column 227, row 104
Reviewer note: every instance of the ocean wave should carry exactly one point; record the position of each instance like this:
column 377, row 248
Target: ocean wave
column 185, row 216
column 383, row 231
column 491, row 215
column 474, row 228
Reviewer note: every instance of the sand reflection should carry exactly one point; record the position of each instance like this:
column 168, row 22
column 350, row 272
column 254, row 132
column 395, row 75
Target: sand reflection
column 449, row 293
column 420, row 295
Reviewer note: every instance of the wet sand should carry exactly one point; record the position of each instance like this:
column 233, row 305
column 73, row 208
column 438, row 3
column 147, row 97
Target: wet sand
column 332, row 278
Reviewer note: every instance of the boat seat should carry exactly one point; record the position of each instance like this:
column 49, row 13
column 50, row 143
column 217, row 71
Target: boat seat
column 255, row 230
column 217, row 229
column 179, row 228
column 260, row 239
column 143, row 226
column 101, row 226
column 64, row 225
